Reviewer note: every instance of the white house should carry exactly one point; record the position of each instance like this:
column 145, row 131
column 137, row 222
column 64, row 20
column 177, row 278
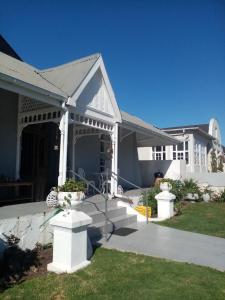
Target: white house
column 56, row 121
column 193, row 155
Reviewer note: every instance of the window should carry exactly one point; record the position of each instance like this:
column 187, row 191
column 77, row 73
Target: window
column 181, row 151
column 159, row 153
column 200, row 154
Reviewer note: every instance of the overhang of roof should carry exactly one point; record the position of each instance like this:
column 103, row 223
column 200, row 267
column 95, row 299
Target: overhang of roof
column 147, row 134
column 19, row 77
column 182, row 130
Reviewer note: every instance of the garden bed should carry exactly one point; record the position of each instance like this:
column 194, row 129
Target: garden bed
column 18, row 265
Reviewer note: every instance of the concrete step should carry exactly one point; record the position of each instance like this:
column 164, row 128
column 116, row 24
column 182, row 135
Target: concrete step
column 97, row 230
column 99, row 216
column 89, row 206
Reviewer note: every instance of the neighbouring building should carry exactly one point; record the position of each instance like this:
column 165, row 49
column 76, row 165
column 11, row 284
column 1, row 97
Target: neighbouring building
column 199, row 145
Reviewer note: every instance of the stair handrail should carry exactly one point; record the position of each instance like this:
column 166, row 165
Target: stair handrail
column 136, row 186
column 106, row 198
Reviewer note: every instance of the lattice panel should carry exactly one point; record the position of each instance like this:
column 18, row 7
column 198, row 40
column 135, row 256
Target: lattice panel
column 27, row 105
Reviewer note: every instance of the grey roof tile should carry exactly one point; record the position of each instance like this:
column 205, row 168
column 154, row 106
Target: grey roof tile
column 24, row 72
column 68, row 77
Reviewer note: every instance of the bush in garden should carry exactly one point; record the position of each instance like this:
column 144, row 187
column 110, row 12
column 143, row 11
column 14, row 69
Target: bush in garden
column 191, row 186
column 220, row 197
column 177, row 188
column 148, row 199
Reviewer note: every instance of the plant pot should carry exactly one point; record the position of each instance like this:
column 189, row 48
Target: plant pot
column 70, row 199
column 165, row 186
column 206, row 197
column 192, row 196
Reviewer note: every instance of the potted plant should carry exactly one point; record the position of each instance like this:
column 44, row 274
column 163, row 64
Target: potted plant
column 165, row 185
column 192, row 190
column 207, row 194
column 71, row 193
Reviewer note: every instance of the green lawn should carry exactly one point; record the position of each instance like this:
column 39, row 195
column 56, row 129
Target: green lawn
column 205, row 218
column 118, row 275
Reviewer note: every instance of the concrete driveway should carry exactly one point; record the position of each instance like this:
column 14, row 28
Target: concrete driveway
column 164, row 242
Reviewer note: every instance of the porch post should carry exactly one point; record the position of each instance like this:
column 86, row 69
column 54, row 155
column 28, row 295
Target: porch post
column 63, row 127
column 65, row 146
column 114, row 178
column 73, row 151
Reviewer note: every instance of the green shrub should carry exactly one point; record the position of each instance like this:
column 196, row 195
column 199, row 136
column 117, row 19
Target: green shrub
column 191, row 186
column 177, row 188
column 72, row 185
column 220, row 197
column 213, row 161
column 148, row 199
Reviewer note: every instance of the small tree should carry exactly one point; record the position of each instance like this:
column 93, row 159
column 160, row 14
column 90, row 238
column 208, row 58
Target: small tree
column 213, row 161
column 220, row 163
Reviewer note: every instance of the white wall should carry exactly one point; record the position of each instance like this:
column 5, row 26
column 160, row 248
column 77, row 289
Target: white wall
column 174, row 169
column 128, row 162
column 213, row 179
column 27, row 228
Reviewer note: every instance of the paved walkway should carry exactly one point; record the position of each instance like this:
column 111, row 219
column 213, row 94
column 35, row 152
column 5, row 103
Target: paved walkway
column 164, row 242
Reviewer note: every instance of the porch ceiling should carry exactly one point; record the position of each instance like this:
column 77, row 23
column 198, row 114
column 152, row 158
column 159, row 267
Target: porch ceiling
column 147, row 135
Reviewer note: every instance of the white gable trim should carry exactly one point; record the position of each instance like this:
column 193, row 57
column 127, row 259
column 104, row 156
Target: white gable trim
column 98, row 65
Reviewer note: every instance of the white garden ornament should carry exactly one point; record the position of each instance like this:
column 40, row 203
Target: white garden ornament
column 52, row 199
column 165, row 201
column 71, row 246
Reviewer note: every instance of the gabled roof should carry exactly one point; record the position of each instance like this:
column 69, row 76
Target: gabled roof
column 68, row 77
column 156, row 135
column 16, row 71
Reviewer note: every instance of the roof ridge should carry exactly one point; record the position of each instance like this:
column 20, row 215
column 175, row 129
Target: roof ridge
column 77, row 61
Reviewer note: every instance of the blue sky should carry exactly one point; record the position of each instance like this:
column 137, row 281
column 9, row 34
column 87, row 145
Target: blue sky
column 165, row 58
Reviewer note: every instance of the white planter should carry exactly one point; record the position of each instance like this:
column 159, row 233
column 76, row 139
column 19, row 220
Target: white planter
column 165, row 186
column 206, row 197
column 74, row 199
column 192, row 196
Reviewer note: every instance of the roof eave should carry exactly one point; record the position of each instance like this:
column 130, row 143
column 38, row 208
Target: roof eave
column 148, row 132
column 21, row 87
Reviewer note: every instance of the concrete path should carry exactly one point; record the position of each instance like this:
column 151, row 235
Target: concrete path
column 164, row 242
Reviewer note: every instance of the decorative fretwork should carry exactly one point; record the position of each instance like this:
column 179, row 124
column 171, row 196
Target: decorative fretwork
column 41, row 116
column 90, row 122
column 27, row 105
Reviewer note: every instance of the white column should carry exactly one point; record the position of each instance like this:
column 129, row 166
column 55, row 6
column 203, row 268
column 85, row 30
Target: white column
column 73, row 150
column 200, row 157
column 114, row 178
column 63, row 127
column 206, row 159
column 65, row 147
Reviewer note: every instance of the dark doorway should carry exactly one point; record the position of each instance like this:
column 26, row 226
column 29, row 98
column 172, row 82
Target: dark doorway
column 40, row 157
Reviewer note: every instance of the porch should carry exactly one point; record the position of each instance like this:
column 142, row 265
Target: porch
column 58, row 121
